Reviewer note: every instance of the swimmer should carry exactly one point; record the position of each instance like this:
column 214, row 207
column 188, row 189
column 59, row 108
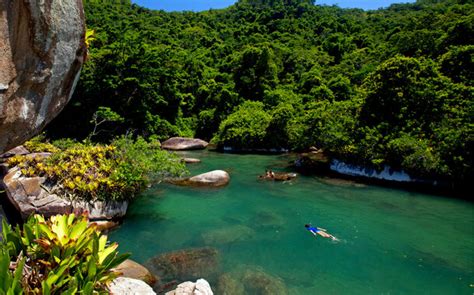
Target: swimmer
column 319, row 231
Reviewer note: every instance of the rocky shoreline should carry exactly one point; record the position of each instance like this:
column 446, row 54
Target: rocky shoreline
column 318, row 163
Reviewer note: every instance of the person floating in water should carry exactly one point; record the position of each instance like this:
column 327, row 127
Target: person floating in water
column 269, row 174
column 319, row 231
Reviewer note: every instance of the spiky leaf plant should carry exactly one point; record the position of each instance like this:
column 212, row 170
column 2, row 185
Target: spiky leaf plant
column 62, row 255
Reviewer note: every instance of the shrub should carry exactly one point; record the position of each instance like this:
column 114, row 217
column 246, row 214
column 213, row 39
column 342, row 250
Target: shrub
column 62, row 255
column 39, row 144
column 245, row 128
column 103, row 172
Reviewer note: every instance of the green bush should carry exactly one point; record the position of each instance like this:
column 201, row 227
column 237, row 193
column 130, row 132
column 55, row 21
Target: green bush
column 245, row 128
column 103, row 172
column 61, row 255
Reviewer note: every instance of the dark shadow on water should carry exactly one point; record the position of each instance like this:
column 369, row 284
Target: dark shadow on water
column 434, row 261
column 12, row 215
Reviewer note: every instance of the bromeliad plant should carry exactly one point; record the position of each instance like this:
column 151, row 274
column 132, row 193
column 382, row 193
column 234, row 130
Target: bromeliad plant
column 61, row 255
column 102, row 172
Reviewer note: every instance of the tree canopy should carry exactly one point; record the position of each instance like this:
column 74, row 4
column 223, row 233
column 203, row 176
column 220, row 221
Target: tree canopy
column 391, row 86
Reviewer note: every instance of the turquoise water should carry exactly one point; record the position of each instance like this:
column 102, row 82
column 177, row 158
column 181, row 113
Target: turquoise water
column 391, row 241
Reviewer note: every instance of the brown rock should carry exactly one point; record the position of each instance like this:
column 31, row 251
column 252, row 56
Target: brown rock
column 258, row 282
column 19, row 150
column 32, row 185
column 183, row 143
column 134, row 270
column 106, row 225
column 250, row 280
column 184, row 265
column 41, row 52
column 228, row 285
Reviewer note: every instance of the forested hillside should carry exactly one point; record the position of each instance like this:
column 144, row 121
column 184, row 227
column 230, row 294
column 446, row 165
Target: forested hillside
column 392, row 86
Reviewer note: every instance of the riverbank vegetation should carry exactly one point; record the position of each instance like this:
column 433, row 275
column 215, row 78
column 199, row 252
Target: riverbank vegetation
column 385, row 87
column 60, row 255
column 86, row 171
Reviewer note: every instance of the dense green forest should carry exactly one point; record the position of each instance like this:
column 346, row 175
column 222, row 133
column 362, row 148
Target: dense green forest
column 392, row 86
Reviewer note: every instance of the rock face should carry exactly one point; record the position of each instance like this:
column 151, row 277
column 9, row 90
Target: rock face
column 183, row 143
column 134, row 270
column 128, row 286
column 41, row 53
column 32, row 195
column 214, row 178
column 201, row 287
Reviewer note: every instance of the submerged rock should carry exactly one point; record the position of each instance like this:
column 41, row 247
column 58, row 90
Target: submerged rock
column 257, row 281
column 134, row 270
column 250, row 280
column 183, row 143
column 228, row 235
column 268, row 219
column 42, row 50
column 127, row 286
column 214, row 178
column 201, row 287
column 227, row 284
column 184, row 265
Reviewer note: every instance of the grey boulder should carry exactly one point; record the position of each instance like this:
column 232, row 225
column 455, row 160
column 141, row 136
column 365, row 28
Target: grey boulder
column 184, row 143
column 42, row 50
column 128, row 286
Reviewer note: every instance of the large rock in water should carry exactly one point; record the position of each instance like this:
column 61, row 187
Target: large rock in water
column 214, row 178
column 178, row 266
column 41, row 53
column 183, row 143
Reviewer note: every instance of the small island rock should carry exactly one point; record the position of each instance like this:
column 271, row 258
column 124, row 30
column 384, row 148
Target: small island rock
column 183, row 143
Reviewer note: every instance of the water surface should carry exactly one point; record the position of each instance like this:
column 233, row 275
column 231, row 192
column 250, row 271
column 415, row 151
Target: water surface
column 391, row 241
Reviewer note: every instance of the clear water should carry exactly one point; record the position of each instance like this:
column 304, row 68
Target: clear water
column 391, row 241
